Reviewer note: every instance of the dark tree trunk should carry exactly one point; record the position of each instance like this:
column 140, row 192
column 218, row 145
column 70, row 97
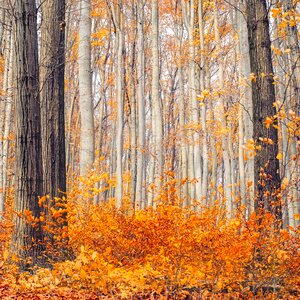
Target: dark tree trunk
column 52, row 69
column 27, row 237
column 267, row 180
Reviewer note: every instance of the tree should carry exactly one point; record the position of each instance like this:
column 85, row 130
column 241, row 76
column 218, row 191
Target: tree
column 141, row 103
column 157, row 122
column 52, row 71
column 87, row 140
column 266, row 165
column 118, row 21
column 28, row 174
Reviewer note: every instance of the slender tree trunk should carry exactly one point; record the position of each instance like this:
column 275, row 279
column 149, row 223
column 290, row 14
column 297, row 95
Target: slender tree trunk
column 157, row 118
column 87, row 136
column 141, row 105
column 133, row 128
column 120, row 104
column 28, row 174
column 3, row 108
column 7, row 124
column 246, row 107
column 204, row 106
column 226, row 158
column 182, row 122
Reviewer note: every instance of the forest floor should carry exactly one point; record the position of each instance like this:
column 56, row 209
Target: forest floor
column 161, row 254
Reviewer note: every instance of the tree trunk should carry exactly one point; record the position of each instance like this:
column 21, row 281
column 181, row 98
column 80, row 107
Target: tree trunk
column 3, row 108
column 120, row 104
column 225, row 151
column 141, row 105
column 28, row 175
column 246, row 107
column 204, row 106
column 7, row 124
column 267, row 180
column 52, row 71
column 157, row 121
column 87, row 139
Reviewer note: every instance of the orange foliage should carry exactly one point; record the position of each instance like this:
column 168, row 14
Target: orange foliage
column 170, row 251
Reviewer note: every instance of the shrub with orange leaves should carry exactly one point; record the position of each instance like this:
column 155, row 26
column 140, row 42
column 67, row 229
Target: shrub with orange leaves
column 168, row 250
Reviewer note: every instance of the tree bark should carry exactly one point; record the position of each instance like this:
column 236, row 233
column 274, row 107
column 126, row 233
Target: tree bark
column 266, row 180
column 120, row 103
column 87, row 138
column 52, row 72
column 157, row 118
column 28, row 174
column 141, row 104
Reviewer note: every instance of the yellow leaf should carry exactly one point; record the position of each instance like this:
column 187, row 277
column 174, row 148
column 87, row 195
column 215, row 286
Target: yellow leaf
column 279, row 156
column 56, row 281
column 268, row 121
column 83, row 274
column 5, row 255
column 253, row 77
column 297, row 217
column 94, row 255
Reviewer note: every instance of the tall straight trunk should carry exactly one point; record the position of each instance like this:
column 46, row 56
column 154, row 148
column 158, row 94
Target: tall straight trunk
column 52, row 72
column 157, row 118
column 294, row 71
column 204, row 106
column 194, row 107
column 28, row 174
column 87, row 136
column 3, row 108
column 2, row 26
column 182, row 122
column 120, row 104
column 225, row 151
column 141, row 104
column 133, row 122
column 7, row 125
column 267, row 180
column 245, row 109
column 293, row 45
column 194, row 162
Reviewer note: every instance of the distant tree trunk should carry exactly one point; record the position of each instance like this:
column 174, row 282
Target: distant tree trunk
column 225, row 151
column 194, row 105
column 87, row 139
column 52, row 71
column 120, row 102
column 28, row 174
column 6, row 121
column 133, row 120
column 294, row 103
column 183, row 148
column 204, row 106
column 194, row 162
column 157, row 123
column 3, row 107
column 246, row 108
column 2, row 27
column 141, row 104
column 267, row 180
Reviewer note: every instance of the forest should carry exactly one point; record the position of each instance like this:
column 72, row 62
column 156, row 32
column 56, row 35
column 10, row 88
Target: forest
column 149, row 149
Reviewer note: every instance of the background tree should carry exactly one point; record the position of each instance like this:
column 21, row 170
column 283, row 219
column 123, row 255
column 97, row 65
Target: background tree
column 87, row 140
